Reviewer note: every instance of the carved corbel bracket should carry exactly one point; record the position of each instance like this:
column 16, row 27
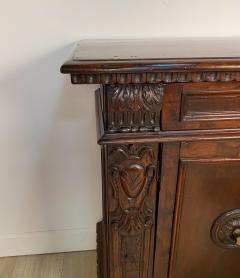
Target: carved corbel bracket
column 134, row 107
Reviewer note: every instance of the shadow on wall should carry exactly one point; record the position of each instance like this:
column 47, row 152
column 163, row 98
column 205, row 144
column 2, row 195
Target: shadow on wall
column 50, row 165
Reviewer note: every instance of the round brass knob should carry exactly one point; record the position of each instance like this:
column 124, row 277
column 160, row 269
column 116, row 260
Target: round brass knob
column 225, row 231
column 236, row 235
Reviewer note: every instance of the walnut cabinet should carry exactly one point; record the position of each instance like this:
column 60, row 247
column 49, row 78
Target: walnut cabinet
column 169, row 129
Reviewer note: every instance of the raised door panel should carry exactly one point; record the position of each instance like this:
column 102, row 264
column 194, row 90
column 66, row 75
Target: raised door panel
column 206, row 213
column 201, row 106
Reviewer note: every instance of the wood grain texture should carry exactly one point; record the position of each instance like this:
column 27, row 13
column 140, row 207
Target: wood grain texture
column 82, row 264
column 7, row 267
column 62, row 265
column 201, row 106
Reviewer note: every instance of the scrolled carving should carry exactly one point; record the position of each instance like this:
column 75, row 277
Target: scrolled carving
column 224, row 229
column 134, row 107
column 132, row 176
column 131, row 180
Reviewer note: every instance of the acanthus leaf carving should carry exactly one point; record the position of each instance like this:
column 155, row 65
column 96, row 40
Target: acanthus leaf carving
column 134, row 107
column 136, row 97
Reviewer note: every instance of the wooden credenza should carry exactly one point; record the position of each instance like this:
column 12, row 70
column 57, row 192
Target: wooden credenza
column 169, row 129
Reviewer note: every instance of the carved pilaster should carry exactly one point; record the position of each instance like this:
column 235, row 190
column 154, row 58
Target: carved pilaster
column 134, row 107
column 131, row 195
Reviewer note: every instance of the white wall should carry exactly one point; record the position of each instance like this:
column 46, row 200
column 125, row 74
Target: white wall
column 50, row 194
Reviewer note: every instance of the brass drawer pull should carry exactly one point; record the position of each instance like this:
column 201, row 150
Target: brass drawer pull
column 225, row 231
column 236, row 236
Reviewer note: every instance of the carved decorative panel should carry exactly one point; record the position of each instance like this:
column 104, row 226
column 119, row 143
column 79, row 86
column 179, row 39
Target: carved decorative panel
column 210, row 105
column 226, row 230
column 132, row 108
column 201, row 106
column 132, row 199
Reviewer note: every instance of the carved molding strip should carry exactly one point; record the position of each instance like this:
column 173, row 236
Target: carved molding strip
column 134, row 107
column 132, row 176
column 224, row 227
column 155, row 77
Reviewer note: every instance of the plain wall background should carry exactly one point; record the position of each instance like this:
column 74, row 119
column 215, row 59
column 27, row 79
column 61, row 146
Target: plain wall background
column 50, row 181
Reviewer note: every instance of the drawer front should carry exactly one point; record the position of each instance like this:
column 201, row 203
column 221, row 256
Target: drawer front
column 201, row 106
column 207, row 213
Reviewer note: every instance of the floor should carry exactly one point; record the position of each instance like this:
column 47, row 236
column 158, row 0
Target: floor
column 62, row 265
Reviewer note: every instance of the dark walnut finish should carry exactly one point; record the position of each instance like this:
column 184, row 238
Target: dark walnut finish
column 132, row 108
column 169, row 128
column 131, row 192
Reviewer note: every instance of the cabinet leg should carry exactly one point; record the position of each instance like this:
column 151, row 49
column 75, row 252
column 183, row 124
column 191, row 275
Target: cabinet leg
column 101, row 258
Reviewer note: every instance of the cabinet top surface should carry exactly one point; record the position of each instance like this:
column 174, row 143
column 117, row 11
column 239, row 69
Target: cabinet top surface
column 134, row 49
column 154, row 55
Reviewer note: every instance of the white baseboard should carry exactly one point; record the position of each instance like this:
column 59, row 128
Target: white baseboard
column 47, row 242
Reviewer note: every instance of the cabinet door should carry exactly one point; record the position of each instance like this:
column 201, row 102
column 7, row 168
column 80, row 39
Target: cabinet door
column 207, row 215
